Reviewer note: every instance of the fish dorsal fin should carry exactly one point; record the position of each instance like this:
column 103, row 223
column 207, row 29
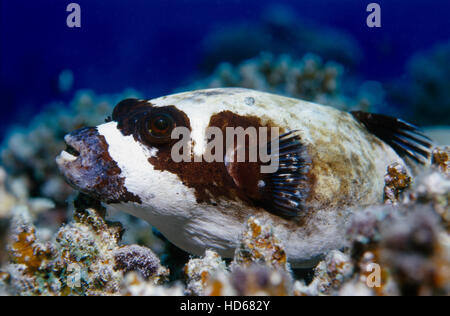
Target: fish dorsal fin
column 403, row 137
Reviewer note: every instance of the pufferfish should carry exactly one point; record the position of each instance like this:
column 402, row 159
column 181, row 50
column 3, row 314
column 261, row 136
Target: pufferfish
column 330, row 164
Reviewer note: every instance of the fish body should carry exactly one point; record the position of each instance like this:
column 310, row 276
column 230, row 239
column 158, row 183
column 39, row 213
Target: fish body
column 340, row 166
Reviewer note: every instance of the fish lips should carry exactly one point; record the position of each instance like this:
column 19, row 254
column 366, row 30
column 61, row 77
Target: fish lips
column 87, row 166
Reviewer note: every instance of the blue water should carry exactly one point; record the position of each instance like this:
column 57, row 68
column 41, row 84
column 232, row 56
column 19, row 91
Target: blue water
column 155, row 46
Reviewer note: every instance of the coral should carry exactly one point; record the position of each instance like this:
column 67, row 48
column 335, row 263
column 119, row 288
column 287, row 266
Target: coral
column 259, row 267
column 256, row 280
column 426, row 93
column 430, row 74
column 80, row 260
column 409, row 246
column 200, row 271
column 308, row 78
column 260, row 245
column 329, row 274
column 441, row 160
column 406, row 245
column 134, row 285
column 24, row 249
column 9, row 204
column 210, row 276
column 407, row 238
column 432, row 187
column 417, row 257
column 392, row 250
column 278, row 30
column 396, row 181
column 140, row 259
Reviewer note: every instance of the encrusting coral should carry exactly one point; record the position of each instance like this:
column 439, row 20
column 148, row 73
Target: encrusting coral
column 139, row 259
column 134, row 285
column 329, row 275
column 199, row 272
column 259, row 245
column 84, row 258
column 259, row 266
column 396, row 180
column 441, row 160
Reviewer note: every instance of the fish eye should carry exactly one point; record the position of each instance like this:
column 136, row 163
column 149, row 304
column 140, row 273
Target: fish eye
column 152, row 126
column 161, row 125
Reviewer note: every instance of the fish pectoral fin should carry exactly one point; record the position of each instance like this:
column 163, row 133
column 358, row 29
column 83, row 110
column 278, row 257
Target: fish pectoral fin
column 403, row 137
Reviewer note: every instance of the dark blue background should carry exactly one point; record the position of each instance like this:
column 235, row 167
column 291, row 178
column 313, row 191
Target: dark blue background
column 156, row 45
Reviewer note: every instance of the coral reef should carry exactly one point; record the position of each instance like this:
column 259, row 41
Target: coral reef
column 134, row 285
column 426, row 93
column 256, row 280
column 259, row 266
column 396, row 181
column 259, row 245
column 200, row 271
column 308, row 78
column 29, row 174
column 329, row 275
column 441, row 159
column 139, row 259
column 83, row 258
column 409, row 241
column 400, row 248
column 394, row 251
column 279, row 31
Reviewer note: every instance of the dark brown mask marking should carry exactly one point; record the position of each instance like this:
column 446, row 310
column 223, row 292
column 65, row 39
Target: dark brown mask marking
column 212, row 180
column 94, row 172
column 148, row 124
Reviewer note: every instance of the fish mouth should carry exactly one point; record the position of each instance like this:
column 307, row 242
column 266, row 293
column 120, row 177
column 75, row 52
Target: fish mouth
column 87, row 166
column 70, row 154
column 77, row 162
column 71, row 150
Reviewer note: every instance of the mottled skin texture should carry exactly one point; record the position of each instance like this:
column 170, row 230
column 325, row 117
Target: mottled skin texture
column 347, row 168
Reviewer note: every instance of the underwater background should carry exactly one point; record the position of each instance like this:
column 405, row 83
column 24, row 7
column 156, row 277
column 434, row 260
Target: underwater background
column 157, row 46
column 54, row 79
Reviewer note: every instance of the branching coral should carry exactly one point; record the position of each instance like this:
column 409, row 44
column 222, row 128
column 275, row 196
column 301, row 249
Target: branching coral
column 308, row 78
